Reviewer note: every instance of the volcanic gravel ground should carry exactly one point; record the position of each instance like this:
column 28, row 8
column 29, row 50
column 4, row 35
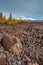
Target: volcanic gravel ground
column 21, row 44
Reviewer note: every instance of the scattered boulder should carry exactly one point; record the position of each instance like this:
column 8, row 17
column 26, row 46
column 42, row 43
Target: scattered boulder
column 2, row 59
column 8, row 41
column 12, row 43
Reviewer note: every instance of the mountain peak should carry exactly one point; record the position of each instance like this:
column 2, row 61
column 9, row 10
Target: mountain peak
column 24, row 18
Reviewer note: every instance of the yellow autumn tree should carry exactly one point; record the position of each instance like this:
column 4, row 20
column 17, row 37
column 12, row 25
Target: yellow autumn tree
column 9, row 20
column 2, row 19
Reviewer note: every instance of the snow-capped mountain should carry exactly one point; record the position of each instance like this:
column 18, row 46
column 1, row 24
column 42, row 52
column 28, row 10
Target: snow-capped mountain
column 24, row 18
column 31, row 19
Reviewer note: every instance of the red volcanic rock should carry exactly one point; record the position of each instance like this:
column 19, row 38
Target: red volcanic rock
column 12, row 44
column 8, row 41
column 2, row 59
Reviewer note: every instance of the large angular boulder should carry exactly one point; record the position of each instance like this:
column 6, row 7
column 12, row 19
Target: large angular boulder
column 8, row 41
column 12, row 43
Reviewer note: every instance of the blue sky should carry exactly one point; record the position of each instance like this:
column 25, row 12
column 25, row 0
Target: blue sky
column 27, row 8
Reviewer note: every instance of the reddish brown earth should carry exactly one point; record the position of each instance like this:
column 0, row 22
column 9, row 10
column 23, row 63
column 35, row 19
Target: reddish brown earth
column 21, row 44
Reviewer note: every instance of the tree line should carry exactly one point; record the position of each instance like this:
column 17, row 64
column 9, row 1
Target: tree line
column 10, row 20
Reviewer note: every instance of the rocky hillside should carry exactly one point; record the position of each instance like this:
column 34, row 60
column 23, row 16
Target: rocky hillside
column 21, row 44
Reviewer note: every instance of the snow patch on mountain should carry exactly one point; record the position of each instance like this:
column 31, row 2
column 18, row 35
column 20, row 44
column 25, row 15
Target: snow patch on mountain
column 24, row 18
